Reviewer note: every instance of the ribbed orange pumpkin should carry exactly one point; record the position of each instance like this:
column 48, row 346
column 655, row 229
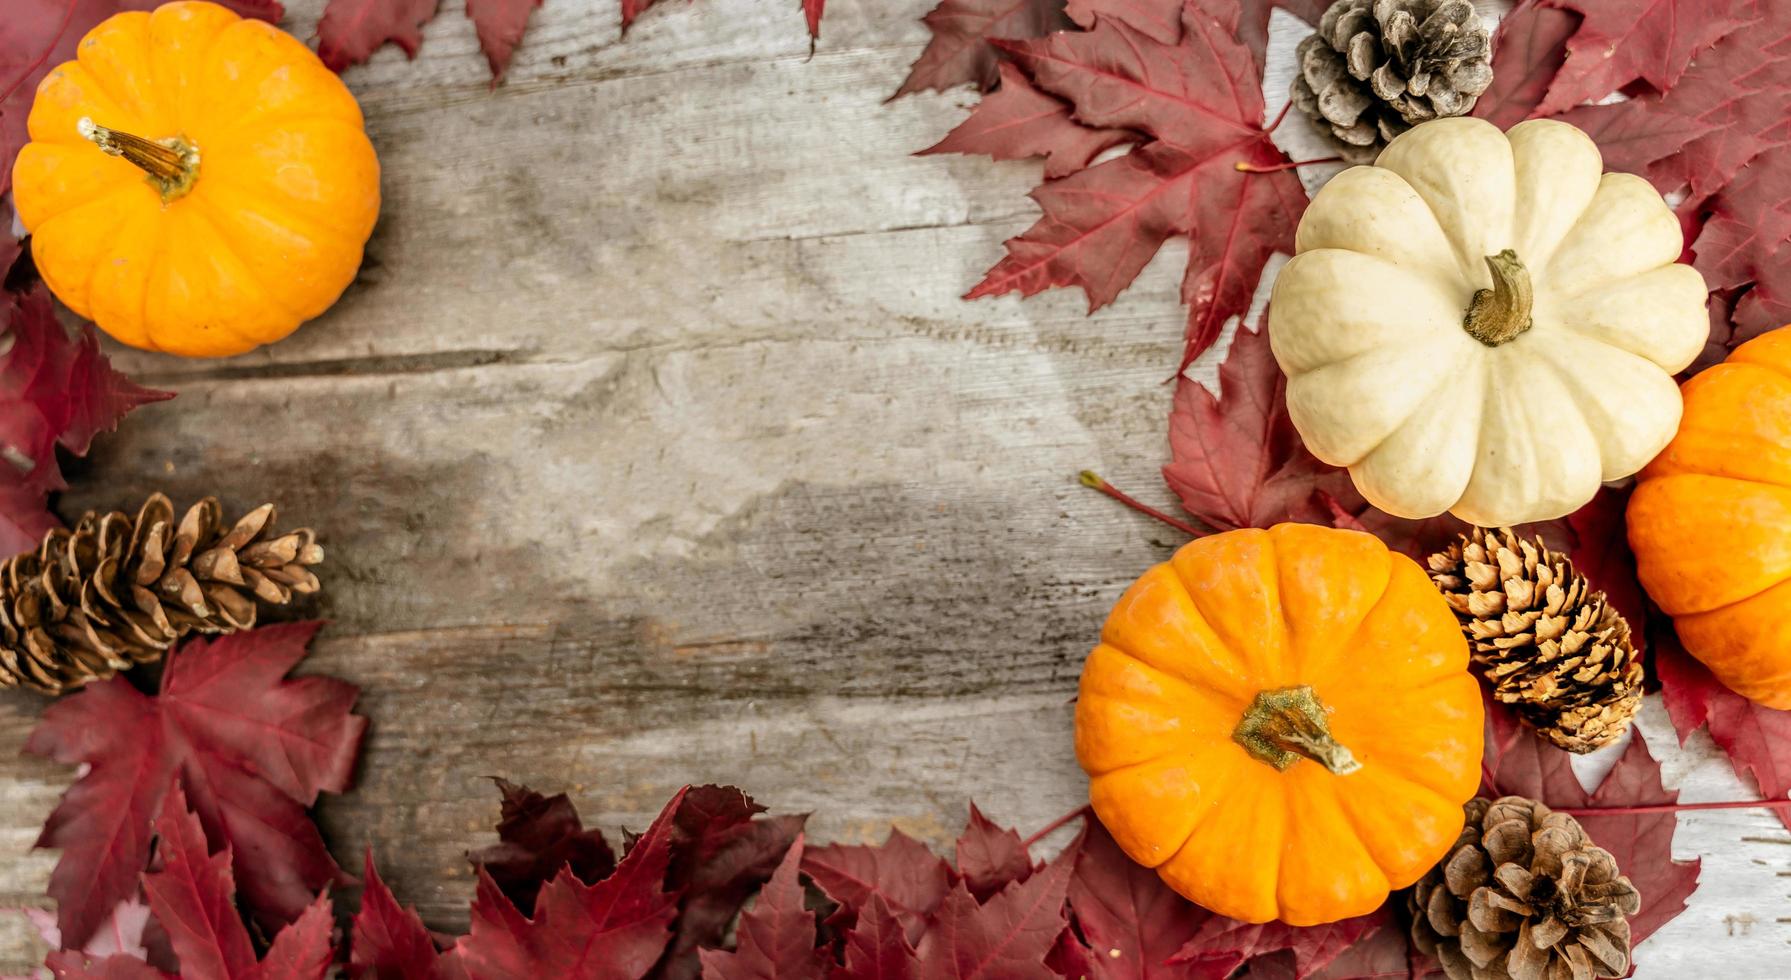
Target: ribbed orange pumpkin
column 1282, row 723
column 1710, row 521
column 195, row 182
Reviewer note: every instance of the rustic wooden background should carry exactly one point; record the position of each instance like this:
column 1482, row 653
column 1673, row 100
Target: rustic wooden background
column 655, row 446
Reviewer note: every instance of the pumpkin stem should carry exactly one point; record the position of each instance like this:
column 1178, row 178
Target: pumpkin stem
column 1499, row 314
column 1285, row 725
column 172, row 164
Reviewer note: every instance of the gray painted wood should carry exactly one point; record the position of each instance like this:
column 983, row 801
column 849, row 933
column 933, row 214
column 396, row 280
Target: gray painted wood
column 655, row 446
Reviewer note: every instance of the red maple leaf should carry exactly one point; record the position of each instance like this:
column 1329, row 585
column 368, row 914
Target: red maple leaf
column 499, row 24
column 910, row 879
column 1237, row 460
column 1725, row 110
column 253, row 751
column 190, row 895
column 1741, row 245
column 38, row 35
column 776, row 937
column 537, row 836
column 722, row 851
column 1007, row 936
column 877, row 948
column 1528, row 48
column 1622, row 41
column 1222, row 945
column 1756, row 739
column 613, row 930
column 390, row 942
column 989, row 857
column 1017, row 121
column 1202, row 176
column 351, row 30
column 1130, row 922
column 1521, row 763
column 56, row 389
column 960, row 49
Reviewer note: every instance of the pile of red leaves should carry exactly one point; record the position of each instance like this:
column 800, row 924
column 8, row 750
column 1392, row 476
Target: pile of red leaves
column 195, row 799
column 1181, row 86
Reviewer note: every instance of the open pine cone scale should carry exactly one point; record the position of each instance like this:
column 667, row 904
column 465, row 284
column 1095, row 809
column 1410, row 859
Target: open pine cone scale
column 114, row 591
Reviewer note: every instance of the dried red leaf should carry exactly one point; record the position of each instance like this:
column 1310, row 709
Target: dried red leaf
column 253, row 749
column 190, row 895
column 618, row 927
column 1160, row 20
column 351, row 30
column 990, row 857
column 1008, row 936
column 877, row 948
column 721, row 853
column 1222, row 945
column 1131, row 922
column 1017, row 121
column 960, row 51
column 1756, row 739
column 910, row 879
column 1725, row 110
column 1528, row 49
column 56, row 389
column 500, row 24
column 1201, row 99
column 776, row 937
column 1237, row 460
column 1519, row 762
column 1741, row 245
column 1621, row 41
column 390, row 942
column 537, row 836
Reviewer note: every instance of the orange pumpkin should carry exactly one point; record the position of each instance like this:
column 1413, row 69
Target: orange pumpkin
column 195, row 182
column 1710, row 521
column 1282, row 723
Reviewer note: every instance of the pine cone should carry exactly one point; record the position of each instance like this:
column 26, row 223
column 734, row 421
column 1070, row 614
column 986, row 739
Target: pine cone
column 1524, row 895
column 113, row 592
column 1376, row 68
column 1547, row 642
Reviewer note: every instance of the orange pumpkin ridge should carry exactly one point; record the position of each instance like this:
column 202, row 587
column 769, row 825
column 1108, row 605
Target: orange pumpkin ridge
column 1282, row 723
column 1710, row 521
column 196, row 183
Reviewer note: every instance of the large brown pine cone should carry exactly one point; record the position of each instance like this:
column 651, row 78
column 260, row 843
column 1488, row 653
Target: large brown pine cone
column 1376, row 68
column 114, row 591
column 1524, row 895
column 1551, row 646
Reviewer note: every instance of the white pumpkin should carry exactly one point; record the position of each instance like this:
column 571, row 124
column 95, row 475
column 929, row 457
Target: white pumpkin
column 1444, row 390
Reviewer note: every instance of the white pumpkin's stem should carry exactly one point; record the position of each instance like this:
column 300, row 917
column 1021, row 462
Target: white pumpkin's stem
column 172, row 164
column 1288, row 724
column 1498, row 315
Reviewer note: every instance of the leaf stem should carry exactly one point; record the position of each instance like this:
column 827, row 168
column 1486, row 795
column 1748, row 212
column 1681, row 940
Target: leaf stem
column 1614, row 811
column 1243, row 167
column 1276, row 124
column 1077, row 813
column 1093, row 481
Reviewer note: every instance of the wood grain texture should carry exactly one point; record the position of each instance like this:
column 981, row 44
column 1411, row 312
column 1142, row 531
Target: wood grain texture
column 655, row 446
